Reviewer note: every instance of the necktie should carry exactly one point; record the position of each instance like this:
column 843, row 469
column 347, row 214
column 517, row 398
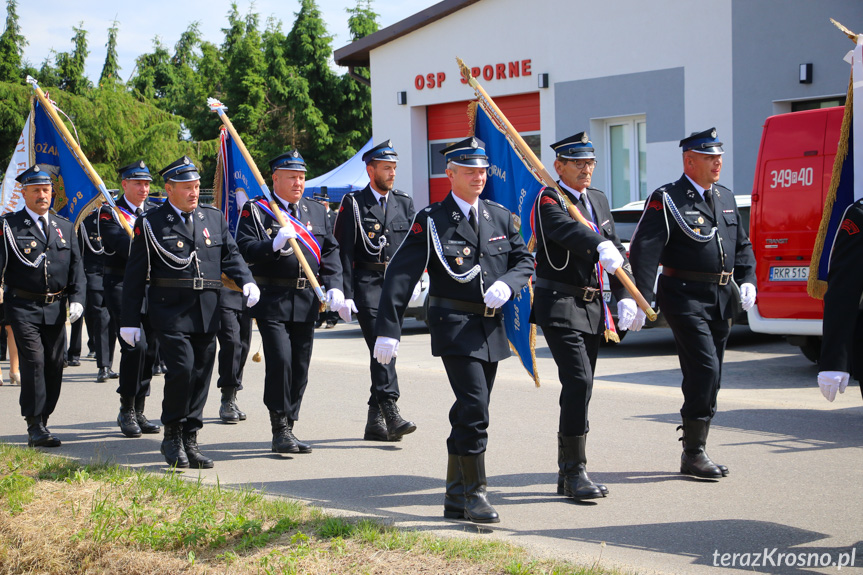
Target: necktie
column 585, row 209
column 384, row 205
column 190, row 223
column 138, row 212
column 473, row 221
column 708, row 197
column 293, row 209
column 44, row 221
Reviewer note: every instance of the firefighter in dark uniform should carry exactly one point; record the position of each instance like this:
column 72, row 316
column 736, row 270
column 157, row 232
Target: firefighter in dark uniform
column 42, row 271
column 136, row 361
column 183, row 248
column 99, row 326
column 235, row 337
column 476, row 260
column 371, row 225
column 692, row 227
column 568, row 303
column 842, row 346
column 289, row 308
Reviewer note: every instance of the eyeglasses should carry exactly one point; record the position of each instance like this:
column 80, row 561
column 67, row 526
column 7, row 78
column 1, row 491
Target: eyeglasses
column 582, row 164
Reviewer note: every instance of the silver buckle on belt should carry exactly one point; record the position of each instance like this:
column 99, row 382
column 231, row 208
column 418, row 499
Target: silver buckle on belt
column 489, row 311
column 302, row 283
column 50, row 298
column 724, row 277
column 198, row 283
column 589, row 294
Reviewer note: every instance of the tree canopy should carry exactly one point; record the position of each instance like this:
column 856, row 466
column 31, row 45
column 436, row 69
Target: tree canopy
column 280, row 89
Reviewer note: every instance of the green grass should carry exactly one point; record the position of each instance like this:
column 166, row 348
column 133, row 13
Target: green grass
column 109, row 506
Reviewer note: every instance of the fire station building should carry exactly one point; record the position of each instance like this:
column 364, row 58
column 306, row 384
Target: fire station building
column 637, row 76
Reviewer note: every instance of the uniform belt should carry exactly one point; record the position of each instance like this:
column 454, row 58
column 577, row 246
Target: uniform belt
column 194, row 283
column 458, row 305
column 38, row 297
column 720, row 278
column 295, row 283
column 108, row 270
column 374, row 266
column 587, row 294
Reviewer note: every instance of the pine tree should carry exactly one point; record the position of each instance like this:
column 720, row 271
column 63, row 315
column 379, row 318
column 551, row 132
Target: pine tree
column 12, row 44
column 356, row 114
column 49, row 75
column 110, row 76
column 70, row 67
column 154, row 76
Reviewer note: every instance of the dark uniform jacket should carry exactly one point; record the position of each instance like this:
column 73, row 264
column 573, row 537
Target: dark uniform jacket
column 91, row 246
column 116, row 240
column 566, row 254
column 254, row 238
column 658, row 239
column 501, row 254
column 60, row 271
column 180, row 309
column 842, row 346
column 357, row 238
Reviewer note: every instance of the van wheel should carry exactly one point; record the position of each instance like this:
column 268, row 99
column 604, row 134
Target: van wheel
column 811, row 349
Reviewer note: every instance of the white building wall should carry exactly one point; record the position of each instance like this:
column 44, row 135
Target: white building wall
column 570, row 41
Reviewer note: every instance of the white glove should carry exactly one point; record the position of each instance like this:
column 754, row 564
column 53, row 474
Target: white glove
column 283, row 236
column 253, row 294
column 76, row 310
column 609, row 256
column 832, row 381
column 346, row 309
column 497, row 295
column 386, row 348
column 418, row 289
column 638, row 322
column 747, row 296
column 335, row 299
column 130, row 335
column 626, row 310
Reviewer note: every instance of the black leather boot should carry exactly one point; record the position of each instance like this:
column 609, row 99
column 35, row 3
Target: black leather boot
column 396, row 425
column 576, row 483
column 127, row 420
column 282, row 441
column 302, row 447
column 196, row 458
column 172, row 447
column 476, row 505
column 38, row 435
column 103, row 375
column 694, row 460
column 560, row 473
column 227, row 413
column 240, row 413
column 453, row 501
column 376, row 427
column 145, row 424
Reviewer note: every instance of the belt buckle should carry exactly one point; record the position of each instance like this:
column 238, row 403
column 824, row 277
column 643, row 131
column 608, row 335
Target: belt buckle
column 589, row 294
column 50, row 298
column 302, row 283
column 724, row 277
column 489, row 311
column 197, row 283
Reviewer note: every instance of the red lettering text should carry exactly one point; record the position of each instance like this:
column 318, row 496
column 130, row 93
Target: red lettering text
column 441, row 76
column 525, row 67
column 419, row 82
column 487, row 72
column 500, row 71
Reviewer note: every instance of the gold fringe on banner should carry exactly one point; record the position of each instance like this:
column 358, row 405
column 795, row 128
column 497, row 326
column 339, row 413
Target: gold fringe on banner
column 816, row 287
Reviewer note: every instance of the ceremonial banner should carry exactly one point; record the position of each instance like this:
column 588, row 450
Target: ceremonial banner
column 512, row 184
column 235, row 181
column 846, row 184
column 11, row 199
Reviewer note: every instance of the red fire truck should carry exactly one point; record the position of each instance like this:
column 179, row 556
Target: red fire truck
column 795, row 162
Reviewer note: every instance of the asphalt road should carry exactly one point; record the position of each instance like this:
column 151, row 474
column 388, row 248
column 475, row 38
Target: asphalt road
column 794, row 495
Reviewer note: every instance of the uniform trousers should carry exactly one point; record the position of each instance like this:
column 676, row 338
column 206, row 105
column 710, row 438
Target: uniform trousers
column 471, row 381
column 385, row 382
column 235, row 337
column 575, row 353
column 287, row 351
column 700, row 349
column 189, row 358
column 75, row 338
column 99, row 328
column 136, row 362
column 40, row 353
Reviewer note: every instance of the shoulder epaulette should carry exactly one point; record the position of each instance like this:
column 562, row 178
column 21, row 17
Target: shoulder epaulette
column 59, row 217
column 723, row 187
column 400, row 193
column 491, row 203
column 209, row 207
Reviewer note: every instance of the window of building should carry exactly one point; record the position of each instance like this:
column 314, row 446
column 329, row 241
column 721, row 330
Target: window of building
column 817, row 104
column 626, row 169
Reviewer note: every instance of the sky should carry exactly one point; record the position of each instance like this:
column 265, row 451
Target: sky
column 48, row 24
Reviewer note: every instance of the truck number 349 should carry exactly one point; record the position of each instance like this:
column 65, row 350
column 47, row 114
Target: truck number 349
column 788, row 178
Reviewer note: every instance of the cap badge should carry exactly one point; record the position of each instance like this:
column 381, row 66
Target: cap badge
column 185, row 160
column 473, row 143
column 295, row 153
column 141, row 164
column 584, row 138
column 389, row 143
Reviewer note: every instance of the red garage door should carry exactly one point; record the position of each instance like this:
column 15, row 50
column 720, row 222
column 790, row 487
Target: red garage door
column 448, row 123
